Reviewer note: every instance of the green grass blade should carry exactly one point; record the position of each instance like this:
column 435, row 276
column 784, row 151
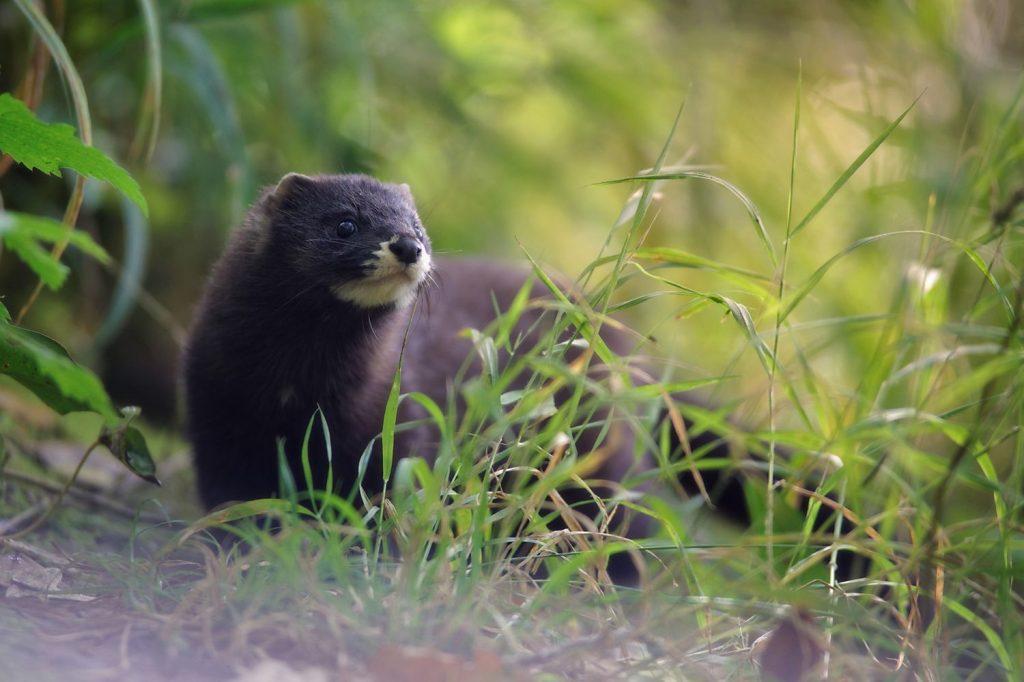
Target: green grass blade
column 851, row 169
column 808, row 286
column 328, row 451
column 149, row 114
column 130, row 275
column 307, row 468
column 685, row 174
column 742, row 315
column 993, row 638
column 387, row 434
column 237, row 512
column 44, row 29
column 678, row 257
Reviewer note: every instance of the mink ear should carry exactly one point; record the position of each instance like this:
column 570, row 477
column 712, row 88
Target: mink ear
column 289, row 183
column 272, row 199
column 407, row 191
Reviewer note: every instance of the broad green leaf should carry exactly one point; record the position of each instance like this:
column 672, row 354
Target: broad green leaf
column 43, row 366
column 22, row 234
column 136, row 455
column 48, row 147
column 129, row 446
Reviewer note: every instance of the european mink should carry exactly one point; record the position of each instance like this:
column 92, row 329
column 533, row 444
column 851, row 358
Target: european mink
column 307, row 308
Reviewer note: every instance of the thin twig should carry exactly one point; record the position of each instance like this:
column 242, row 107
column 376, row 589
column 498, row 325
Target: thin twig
column 35, row 552
column 60, row 497
column 8, row 526
column 87, row 496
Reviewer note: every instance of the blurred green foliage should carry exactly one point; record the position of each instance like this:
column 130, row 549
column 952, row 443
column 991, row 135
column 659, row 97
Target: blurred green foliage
column 504, row 116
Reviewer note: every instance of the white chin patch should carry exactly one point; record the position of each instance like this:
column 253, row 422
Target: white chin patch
column 389, row 282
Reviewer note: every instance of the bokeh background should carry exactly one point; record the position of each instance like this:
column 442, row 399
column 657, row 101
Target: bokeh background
column 505, row 118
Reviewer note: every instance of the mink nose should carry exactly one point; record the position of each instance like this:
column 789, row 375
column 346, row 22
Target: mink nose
column 407, row 250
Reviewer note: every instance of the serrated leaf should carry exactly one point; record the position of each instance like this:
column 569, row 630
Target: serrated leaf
column 43, row 366
column 22, row 234
column 48, row 147
column 51, row 271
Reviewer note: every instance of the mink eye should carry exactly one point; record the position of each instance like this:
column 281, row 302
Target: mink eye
column 346, row 228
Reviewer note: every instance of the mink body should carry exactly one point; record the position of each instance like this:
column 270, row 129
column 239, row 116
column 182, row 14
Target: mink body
column 307, row 310
column 291, row 321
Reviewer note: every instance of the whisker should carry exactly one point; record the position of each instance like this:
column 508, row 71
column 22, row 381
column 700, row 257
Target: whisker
column 301, row 292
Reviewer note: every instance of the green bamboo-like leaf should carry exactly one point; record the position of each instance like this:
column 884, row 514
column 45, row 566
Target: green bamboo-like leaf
column 48, row 147
column 43, row 366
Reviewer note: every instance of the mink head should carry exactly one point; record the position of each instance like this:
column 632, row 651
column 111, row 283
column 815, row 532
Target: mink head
column 359, row 238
